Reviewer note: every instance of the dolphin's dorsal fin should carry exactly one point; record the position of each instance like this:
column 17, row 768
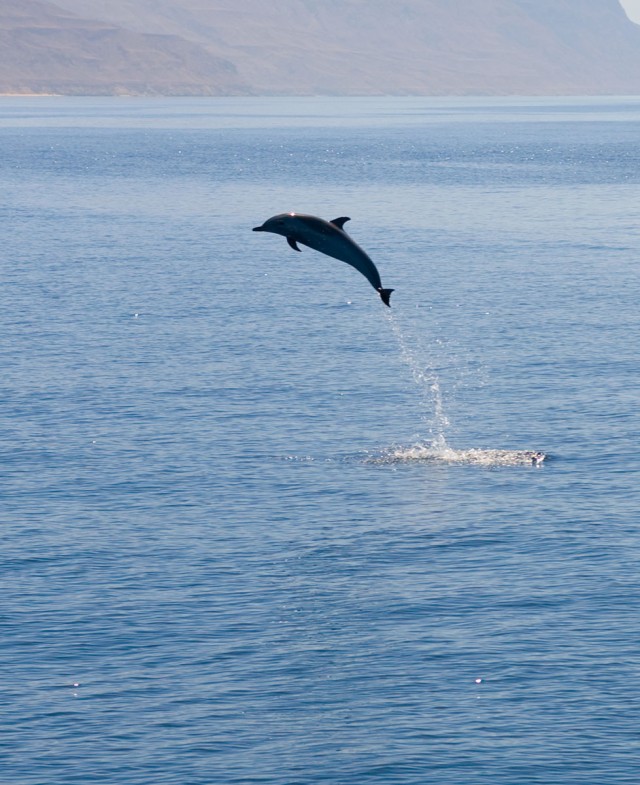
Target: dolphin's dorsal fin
column 292, row 243
column 340, row 222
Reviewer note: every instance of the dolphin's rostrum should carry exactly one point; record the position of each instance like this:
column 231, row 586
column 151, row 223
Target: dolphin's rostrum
column 329, row 238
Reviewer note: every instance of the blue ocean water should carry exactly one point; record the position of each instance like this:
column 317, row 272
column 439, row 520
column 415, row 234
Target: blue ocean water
column 257, row 528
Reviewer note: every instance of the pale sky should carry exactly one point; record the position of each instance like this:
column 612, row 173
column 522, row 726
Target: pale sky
column 632, row 7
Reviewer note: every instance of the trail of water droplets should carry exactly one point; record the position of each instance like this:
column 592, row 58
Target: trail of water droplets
column 429, row 384
column 438, row 450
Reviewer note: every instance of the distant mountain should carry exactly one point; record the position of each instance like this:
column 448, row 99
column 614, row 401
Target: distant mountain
column 303, row 47
column 45, row 49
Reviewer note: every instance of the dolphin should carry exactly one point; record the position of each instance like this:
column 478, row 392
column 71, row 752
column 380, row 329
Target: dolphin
column 329, row 238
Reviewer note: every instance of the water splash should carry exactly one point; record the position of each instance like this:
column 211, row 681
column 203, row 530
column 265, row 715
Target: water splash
column 449, row 455
column 429, row 383
column 438, row 449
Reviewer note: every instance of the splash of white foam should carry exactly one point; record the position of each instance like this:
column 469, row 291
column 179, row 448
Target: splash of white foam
column 444, row 454
column 438, row 450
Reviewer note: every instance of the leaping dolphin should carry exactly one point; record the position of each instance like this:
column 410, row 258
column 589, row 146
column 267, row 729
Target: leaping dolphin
column 329, row 238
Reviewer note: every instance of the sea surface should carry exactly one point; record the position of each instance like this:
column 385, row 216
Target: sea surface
column 258, row 528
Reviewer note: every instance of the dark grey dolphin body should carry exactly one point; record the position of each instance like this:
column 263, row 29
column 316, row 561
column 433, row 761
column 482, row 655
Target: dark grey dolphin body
column 329, row 238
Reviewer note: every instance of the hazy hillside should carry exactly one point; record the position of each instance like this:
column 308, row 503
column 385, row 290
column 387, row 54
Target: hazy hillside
column 324, row 46
column 44, row 48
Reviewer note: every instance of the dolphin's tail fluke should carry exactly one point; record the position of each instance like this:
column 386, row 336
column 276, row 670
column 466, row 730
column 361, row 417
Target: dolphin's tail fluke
column 385, row 294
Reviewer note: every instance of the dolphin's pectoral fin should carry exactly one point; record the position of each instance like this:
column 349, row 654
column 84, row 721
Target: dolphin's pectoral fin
column 339, row 222
column 292, row 243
